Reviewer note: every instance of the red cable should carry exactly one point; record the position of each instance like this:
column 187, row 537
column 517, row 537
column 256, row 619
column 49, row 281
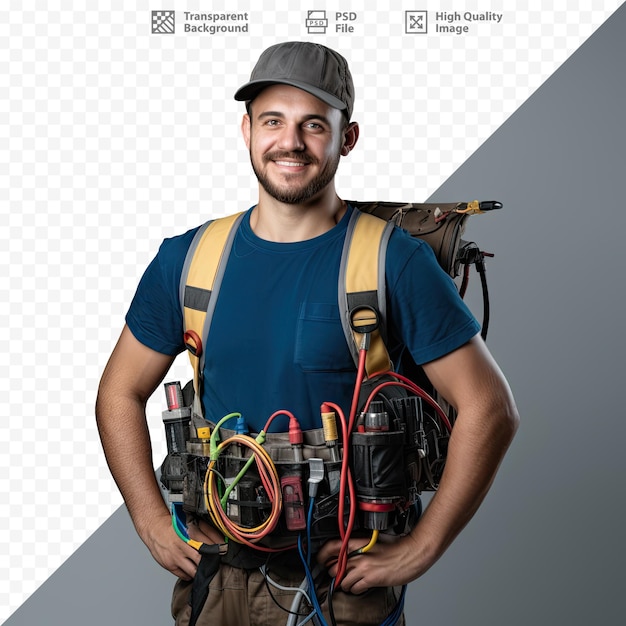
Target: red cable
column 347, row 430
column 346, row 476
column 270, row 419
column 418, row 391
column 344, row 532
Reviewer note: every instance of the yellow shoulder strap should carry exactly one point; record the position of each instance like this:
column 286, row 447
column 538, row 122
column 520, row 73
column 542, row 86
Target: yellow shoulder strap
column 202, row 274
column 362, row 287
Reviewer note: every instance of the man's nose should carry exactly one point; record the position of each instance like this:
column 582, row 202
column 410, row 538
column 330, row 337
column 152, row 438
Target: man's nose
column 291, row 138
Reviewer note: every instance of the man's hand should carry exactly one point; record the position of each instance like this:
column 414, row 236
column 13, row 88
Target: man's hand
column 385, row 564
column 202, row 531
column 131, row 375
column 169, row 550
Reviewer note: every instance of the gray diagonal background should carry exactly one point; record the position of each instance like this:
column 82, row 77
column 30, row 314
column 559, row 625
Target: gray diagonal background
column 546, row 548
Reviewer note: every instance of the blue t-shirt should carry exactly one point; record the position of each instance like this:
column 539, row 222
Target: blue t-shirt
column 276, row 339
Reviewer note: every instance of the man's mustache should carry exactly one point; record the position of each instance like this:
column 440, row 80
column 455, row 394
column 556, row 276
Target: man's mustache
column 290, row 156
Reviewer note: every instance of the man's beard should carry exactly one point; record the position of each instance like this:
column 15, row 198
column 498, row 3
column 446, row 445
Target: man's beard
column 295, row 195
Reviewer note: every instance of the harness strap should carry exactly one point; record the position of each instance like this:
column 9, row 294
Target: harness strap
column 202, row 275
column 362, row 297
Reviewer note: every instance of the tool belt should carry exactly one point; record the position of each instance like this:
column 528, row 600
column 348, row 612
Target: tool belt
column 396, row 452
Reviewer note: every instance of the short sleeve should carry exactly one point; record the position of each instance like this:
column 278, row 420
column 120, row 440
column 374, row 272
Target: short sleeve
column 155, row 316
column 426, row 313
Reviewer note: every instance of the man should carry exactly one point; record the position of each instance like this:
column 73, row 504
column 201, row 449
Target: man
column 276, row 342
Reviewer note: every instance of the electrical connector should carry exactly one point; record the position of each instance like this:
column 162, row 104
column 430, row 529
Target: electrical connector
column 241, row 428
column 295, row 432
column 316, row 475
column 329, row 424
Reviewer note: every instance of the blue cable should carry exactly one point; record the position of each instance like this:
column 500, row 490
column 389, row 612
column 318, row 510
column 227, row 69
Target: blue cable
column 309, row 523
column 390, row 620
column 395, row 615
column 309, row 577
column 177, row 512
column 306, row 562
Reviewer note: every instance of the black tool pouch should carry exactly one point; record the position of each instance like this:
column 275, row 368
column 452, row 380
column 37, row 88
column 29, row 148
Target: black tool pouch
column 207, row 568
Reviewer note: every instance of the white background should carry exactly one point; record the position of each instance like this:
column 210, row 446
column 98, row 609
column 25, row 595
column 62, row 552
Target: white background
column 113, row 138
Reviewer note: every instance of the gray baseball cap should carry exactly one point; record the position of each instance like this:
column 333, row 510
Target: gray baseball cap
column 308, row 66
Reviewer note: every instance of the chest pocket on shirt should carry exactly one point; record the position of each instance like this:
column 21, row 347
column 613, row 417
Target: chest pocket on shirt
column 320, row 340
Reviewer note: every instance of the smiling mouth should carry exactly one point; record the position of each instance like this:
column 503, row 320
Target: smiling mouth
column 290, row 163
column 288, row 159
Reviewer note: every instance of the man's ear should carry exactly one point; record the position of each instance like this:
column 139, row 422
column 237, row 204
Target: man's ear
column 350, row 137
column 245, row 129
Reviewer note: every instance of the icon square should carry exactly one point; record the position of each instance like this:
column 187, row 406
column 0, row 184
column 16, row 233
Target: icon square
column 163, row 22
column 316, row 22
column 416, row 22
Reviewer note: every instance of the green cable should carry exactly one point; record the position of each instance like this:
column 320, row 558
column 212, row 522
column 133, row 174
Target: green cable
column 178, row 531
column 260, row 439
column 215, row 435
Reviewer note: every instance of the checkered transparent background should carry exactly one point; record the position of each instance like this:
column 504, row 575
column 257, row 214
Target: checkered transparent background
column 113, row 138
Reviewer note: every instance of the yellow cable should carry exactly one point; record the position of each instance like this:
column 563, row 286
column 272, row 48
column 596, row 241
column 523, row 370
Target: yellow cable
column 370, row 545
column 194, row 544
column 213, row 501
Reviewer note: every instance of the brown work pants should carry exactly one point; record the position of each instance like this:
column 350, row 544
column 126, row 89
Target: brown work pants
column 241, row 597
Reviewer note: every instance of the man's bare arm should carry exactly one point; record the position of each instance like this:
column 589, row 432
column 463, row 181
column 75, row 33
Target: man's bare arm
column 487, row 420
column 129, row 379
